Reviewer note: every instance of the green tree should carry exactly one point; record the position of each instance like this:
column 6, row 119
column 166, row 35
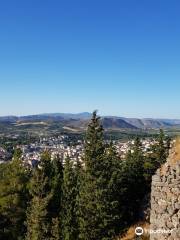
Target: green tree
column 55, row 205
column 56, row 185
column 55, row 229
column 38, row 219
column 158, row 155
column 111, row 174
column 133, row 187
column 17, row 153
column 88, row 205
column 79, row 174
column 69, row 198
column 98, row 205
column 14, row 180
column 161, row 150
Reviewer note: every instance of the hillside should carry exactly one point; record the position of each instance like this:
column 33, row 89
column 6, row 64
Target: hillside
column 80, row 121
column 116, row 123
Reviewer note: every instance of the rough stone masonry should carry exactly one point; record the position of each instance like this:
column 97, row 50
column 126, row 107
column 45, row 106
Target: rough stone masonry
column 165, row 198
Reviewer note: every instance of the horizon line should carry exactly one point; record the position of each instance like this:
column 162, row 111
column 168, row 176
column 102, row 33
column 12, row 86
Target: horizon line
column 85, row 112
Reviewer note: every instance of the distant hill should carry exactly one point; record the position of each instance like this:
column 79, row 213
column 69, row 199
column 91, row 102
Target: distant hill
column 149, row 123
column 116, row 123
column 80, row 120
column 83, row 115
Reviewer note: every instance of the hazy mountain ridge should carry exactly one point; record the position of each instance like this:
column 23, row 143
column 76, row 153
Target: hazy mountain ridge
column 116, row 123
column 80, row 120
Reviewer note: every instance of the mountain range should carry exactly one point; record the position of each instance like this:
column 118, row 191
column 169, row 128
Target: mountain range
column 80, row 120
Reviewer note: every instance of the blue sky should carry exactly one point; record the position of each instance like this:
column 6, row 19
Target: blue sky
column 121, row 57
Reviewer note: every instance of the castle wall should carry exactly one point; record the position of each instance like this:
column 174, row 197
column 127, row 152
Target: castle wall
column 165, row 201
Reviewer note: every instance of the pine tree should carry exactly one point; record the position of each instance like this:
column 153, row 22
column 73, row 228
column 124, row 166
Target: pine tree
column 98, row 216
column 133, row 187
column 13, row 198
column 161, row 150
column 94, row 150
column 159, row 154
column 69, row 198
column 112, row 169
column 55, row 205
column 55, row 229
column 38, row 219
column 79, row 173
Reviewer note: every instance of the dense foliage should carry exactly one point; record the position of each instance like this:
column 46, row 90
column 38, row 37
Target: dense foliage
column 95, row 199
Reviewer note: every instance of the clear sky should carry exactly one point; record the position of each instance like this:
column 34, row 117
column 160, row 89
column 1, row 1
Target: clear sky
column 121, row 57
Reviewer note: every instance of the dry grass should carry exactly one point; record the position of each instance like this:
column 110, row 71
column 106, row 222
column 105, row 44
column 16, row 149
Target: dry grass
column 176, row 156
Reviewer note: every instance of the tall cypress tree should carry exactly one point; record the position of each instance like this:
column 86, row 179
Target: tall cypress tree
column 88, row 204
column 161, row 149
column 69, row 194
column 111, row 175
column 55, row 205
column 38, row 219
column 133, row 187
column 97, row 202
column 56, row 185
column 79, row 174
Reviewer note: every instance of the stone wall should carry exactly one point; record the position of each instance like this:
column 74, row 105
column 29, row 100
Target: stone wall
column 165, row 199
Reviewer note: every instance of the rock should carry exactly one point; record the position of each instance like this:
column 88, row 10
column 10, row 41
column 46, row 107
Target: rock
column 176, row 191
column 175, row 234
column 169, row 224
column 165, row 201
column 170, row 238
column 175, row 220
column 177, row 205
column 171, row 211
